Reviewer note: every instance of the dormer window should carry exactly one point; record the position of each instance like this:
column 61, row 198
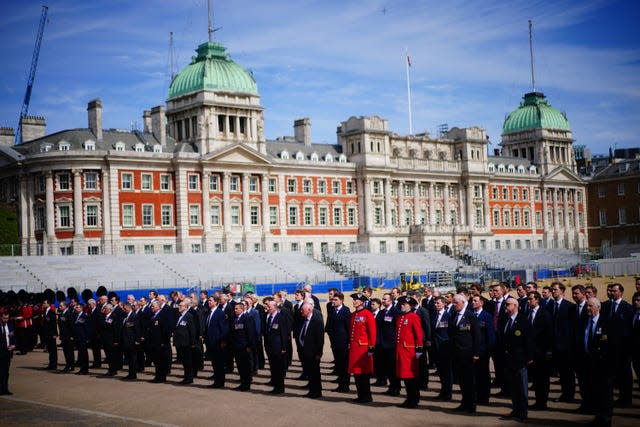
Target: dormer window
column 299, row 155
column 492, row 167
column 46, row 147
column 89, row 145
column 342, row 158
column 520, row 169
column 328, row 158
column 314, row 157
column 284, row 155
column 533, row 170
column 139, row 147
column 64, row 146
column 501, row 168
column 157, row 148
column 120, row 146
column 511, row 169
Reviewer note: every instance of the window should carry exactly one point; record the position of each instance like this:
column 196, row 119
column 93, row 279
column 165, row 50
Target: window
column 308, row 215
column 505, row 193
column 408, row 190
column 147, row 215
column 525, row 194
column 193, row 182
column 337, row 216
column 506, row 218
column 580, row 219
column 291, row 185
column 64, row 146
column 119, row 146
column 314, row 157
column 253, row 184
column 196, row 248
column 351, row 216
column 254, row 215
column 93, row 250
column 527, row 219
column 127, row 181
column 601, row 191
column 215, row 215
column 516, row 218
column 308, row 247
column 496, row 218
column 214, row 183
column 273, row 215
column 257, row 247
column 622, row 216
column 335, row 187
column 306, row 186
column 276, row 247
column 383, row 247
column 322, row 186
column 560, row 219
column 90, row 181
column 377, row 215
column 603, row 217
column 194, row 214
column 621, row 189
column 514, row 194
column 349, row 187
column 139, row 148
column 400, row 245
column 41, row 220
column 63, row 182
column 128, row 219
column 497, row 244
column 479, row 219
column 235, row 215
column 157, row 148
column 89, row 145
column 167, row 249
column 476, row 191
column 408, row 213
column 148, row 249
column 164, row 182
column 295, row 247
column 145, row 182
column 233, row 183
column 536, row 195
column 167, row 214
column 91, row 216
column 438, row 218
column 272, row 185
column 518, row 244
column 494, row 193
column 376, row 187
column 293, row 215
column 322, row 216
column 129, row 249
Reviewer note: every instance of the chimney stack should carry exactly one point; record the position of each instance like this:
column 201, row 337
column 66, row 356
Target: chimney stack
column 32, row 127
column 7, row 136
column 94, row 110
column 146, row 117
column 158, row 124
column 302, row 131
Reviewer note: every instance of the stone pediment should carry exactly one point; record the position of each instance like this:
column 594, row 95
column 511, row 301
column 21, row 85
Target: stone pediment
column 562, row 174
column 237, row 154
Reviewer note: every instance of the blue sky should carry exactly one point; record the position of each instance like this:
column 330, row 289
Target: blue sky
column 329, row 60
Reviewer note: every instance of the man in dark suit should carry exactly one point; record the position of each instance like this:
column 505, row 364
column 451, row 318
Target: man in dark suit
column 619, row 315
column 337, row 328
column 216, row 338
column 66, row 318
column 130, row 340
column 579, row 319
column 81, row 338
column 185, row 335
column 110, row 332
column 635, row 335
column 296, row 325
column 386, row 344
column 499, row 292
column 442, row 348
column 199, row 315
column 242, row 337
column 517, row 345
column 95, row 319
column 143, row 325
column 276, row 336
column 50, row 334
column 542, row 330
column 521, row 291
column 228, row 307
column 159, row 340
column 563, row 320
column 485, row 348
column 7, row 345
column 311, row 339
column 464, row 335
column 598, row 350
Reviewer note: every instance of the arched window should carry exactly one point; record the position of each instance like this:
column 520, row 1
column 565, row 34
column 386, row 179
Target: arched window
column 342, row 158
column 284, row 155
column 328, row 158
column 299, row 155
column 314, row 157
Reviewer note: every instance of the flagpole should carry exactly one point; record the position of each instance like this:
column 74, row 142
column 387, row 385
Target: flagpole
column 407, row 65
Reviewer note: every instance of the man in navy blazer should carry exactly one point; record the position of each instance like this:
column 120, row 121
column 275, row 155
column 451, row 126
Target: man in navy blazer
column 338, row 324
column 442, row 348
column 485, row 348
column 311, row 339
column 386, row 343
column 542, row 330
column 7, row 345
column 81, row 337
column 216, row 337
column 563, row 320
column 276, row 338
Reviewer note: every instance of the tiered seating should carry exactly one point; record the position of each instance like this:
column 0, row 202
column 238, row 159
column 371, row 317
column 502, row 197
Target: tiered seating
column 518, row 259
column 395, row 263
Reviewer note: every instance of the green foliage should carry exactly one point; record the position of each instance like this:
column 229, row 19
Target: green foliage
column 8, row 230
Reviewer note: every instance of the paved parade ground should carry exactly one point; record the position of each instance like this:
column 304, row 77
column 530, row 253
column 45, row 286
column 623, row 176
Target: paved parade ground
column 51, row 398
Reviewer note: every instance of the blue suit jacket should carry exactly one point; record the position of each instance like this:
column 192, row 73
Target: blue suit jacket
column 440, row 333
column 487, row 333
column 218, row 328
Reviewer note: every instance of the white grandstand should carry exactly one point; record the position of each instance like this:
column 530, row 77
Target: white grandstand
column 115, row 272
column 521, row 259
column 392, row 264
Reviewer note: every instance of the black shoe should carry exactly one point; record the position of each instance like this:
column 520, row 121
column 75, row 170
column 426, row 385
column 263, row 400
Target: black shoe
column 622, row 404
column 95, row 366
column 6, row 393
column 311, row 395
column 109, row 374
column 276, row 391
column 460, row 408
column 392, row 393
column 303, row 377
column 186, row 381
column 443, row 397
column 67, row 370
column 130, row 377
column 408, row 405
column 342, row 389
column 157, row 380
column 81, row 372
column 538, row 407
column 242, row 388
column 380, row 384
column 50, row 368
column 362, row 400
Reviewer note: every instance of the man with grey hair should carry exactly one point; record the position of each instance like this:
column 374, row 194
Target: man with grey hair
column 316, row 301
column 464, row 334
column 159, row 336
column 110, row 334
column 311, row 340
column 184, row 339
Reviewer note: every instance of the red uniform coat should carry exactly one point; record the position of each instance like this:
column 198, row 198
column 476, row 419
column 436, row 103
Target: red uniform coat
column 408, row 336
column 362, row 336
column 24, row 318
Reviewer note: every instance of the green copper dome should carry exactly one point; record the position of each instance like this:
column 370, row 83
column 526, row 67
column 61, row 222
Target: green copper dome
column 212, row 69
column 535, row 113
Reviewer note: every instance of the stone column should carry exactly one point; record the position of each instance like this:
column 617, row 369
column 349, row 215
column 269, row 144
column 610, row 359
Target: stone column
column 554, row 195
column 416, row 202
column 470, row 206
column 266, row 221
column 487, row 211
column 31, row 185
column 387, row 202
column 50, row 214
column 565, row 207
column 432, row 203
column 400, row 203
column 206, row 212
column 78, row 218
column 106, row 214
column 532, row 217
column 226, row 203
column 182, row 210
column 282, row 204
column 246, row 218
column 445, row 215
column 368, row 206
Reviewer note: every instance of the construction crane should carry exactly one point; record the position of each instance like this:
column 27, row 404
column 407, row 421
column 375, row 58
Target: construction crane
column 32, row 72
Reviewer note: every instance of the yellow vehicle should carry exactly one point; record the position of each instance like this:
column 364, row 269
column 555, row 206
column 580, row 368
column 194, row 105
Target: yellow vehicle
column 410, row 281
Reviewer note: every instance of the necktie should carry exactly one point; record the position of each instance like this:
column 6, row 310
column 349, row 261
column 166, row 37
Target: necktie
column 303, row 333
column 637, row 318
column 531, row 317
column 458, row 319
column 270, row 319
column 508, row 328
column 209, row 318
